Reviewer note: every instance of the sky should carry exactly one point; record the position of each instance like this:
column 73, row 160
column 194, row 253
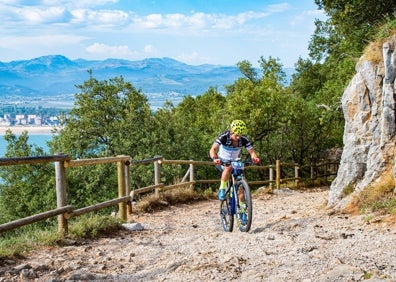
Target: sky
column 220, row 32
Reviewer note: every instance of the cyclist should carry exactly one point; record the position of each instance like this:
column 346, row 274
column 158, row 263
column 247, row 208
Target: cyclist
column 226, row 148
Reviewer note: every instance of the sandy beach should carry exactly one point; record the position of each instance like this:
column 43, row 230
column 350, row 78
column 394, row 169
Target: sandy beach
column 30, row 129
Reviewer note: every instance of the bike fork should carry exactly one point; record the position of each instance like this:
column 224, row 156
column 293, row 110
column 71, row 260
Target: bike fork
column 233, row 195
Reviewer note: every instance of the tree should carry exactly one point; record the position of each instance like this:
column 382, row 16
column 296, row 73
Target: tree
column 349, row 15
column 350, row 26
column 308, row 79
column 26, row 189
column 282, row 122
column 246, row 68
column 110, row 118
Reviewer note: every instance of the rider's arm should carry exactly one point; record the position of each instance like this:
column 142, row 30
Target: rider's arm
column 249, row 147
column 253, row 155
column 213, row 151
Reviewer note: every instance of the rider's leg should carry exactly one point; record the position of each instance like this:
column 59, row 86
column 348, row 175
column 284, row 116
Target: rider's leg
column 242, row 205
column 225, row 175
column 241, row 195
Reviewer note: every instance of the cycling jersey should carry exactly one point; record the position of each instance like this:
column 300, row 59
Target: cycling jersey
column 227, row 151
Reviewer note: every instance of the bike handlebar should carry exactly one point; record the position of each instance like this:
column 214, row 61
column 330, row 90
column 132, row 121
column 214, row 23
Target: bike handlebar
column 245, row 162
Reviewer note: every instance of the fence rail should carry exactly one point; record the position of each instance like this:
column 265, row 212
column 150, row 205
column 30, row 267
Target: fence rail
column 125, row 196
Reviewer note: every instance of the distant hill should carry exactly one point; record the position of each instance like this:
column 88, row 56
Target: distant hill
column 159, row 78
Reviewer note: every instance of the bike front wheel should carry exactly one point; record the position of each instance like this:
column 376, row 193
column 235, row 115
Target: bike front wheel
column 227, row 218
column 245, row 214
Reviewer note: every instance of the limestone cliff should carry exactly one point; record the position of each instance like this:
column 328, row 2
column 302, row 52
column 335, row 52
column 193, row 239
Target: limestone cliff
column 368, row 105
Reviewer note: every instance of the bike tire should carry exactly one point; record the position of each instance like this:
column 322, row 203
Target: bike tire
column 245, row 226
column 227, row 218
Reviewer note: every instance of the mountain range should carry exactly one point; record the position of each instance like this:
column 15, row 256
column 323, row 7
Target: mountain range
column 55, row 77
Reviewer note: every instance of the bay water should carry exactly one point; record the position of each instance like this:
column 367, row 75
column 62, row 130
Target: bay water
column 39, row 140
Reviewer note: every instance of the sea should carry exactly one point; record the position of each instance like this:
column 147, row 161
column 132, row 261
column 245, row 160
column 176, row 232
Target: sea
column 39, row 140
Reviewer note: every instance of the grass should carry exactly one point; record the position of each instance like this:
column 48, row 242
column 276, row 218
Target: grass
column 150, row 202
column 373, row 51
column 348, row 190
column 378, row 199
column 19, row 242
column 386, row 30
column 380, row 196
column 91, row 226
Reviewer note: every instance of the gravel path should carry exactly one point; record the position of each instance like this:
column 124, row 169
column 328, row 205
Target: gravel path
column 293, row 238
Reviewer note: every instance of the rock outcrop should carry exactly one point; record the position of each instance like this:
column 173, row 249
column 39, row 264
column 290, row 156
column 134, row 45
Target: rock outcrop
column 369, row 109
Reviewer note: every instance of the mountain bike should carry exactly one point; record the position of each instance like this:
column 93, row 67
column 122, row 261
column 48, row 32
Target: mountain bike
column 230, row 206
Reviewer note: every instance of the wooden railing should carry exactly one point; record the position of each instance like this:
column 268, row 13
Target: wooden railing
column 125, row 195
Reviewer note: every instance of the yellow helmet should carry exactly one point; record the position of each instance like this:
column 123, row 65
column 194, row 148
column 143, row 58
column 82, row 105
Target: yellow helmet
column 238, row 127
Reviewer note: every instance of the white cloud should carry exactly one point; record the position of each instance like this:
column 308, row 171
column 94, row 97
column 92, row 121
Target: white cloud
column 112, row 51
column 150, row 21
column 193, row 58
column 67, row 27
column 278, row 8
column 37, row 15
column 9, row 2
column 148, row 49
column 77, row 4
column 84, row 14
column 99, row 18
column 197, row 20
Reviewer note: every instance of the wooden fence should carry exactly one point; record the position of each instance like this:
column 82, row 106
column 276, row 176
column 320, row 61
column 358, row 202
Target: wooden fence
column 125, row 195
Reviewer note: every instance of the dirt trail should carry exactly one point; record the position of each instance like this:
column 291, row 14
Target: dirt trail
column 293, row 238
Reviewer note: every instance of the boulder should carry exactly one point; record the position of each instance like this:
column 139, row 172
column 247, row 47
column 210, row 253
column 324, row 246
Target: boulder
column 368, row 105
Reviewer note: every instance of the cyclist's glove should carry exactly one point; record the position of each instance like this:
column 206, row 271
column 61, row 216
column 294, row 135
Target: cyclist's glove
column 256, row 160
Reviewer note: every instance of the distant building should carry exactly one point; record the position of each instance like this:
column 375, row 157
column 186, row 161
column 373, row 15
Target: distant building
column 31, row 119
column 5, row 122
column 38, row 121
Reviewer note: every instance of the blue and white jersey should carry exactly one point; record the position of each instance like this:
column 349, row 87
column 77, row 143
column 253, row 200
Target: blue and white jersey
column 229, row 152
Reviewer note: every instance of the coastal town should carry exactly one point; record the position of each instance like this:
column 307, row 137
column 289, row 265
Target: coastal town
column 32, row 123
column 28, row 120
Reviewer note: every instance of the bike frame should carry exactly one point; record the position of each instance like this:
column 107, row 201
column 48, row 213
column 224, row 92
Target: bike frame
column 230, row 206
column 237, row 174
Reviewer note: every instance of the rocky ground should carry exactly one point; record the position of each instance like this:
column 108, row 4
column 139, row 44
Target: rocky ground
column 293, row 238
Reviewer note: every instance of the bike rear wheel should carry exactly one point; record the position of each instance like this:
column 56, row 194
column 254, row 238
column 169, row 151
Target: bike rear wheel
column 244, row 225
column 227, row 218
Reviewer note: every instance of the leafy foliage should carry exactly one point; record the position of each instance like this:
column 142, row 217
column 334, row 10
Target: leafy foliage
column 350, row 26
column 25, row 189
column 106, row 121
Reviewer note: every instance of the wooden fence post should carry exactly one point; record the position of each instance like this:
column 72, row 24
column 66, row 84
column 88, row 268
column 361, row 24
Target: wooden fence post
column 326, row 171
column 128, row 186
column 157, row 176
column 61, row 195
column 121, row 190
column 271, row 177
column 278, row 174
column 296, row 168
column 191, row 176
column 312, row 172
